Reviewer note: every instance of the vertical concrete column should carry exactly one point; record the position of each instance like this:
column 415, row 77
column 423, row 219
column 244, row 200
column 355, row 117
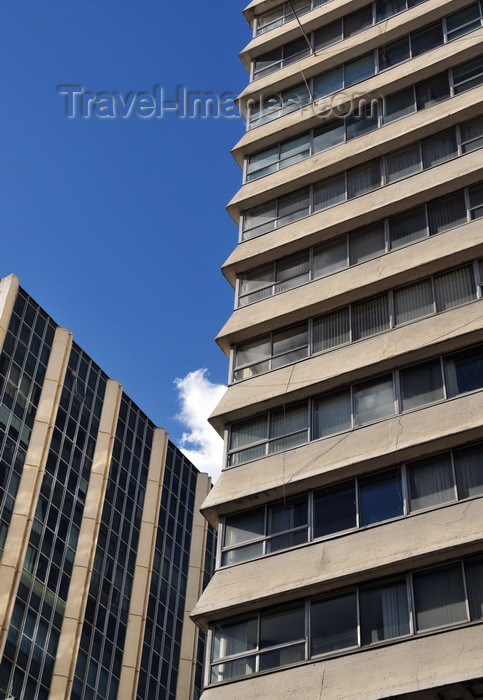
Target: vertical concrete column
column 33, row 472
column 144, row 563
column 86, row 548
column 8, row 294
column 189, row 640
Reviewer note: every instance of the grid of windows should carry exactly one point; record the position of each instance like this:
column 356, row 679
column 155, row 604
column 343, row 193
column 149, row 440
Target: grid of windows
column 103, row 637
column 422, row 155
column 368, row 116
column 284, row 13
column 23, row 363
column 33, row 635
column 366, row 318
column 359, row 404
column 368, row 614
column 209, row 566
column 436, row 216
column 355, row 503
column 327, row 35
column 166, row 601
column 348, row 74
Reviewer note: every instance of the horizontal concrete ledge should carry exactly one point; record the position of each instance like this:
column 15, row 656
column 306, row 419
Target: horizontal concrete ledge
column 371, row 674
column 321, row 462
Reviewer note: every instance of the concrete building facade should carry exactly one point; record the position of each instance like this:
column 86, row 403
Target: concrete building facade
column 103, row 551
column 350, row 507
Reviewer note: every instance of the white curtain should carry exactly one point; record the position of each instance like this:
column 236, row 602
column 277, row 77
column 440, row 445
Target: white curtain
column 469, row 471
column 454, row 288
column 331, row 330
column 413, row 301
column 430, row 482
column 447, row 213
column 329, row 192
column 367, row 244
column 330, row 257
column 332, row 414
column 439, row 597
column 370, row 317
column 439, row 149
column 364, row 179
column 408, row 227
column 403, row 163
column 290, row 272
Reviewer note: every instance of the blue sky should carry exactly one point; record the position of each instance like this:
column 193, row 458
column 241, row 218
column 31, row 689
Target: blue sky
column 117, row 227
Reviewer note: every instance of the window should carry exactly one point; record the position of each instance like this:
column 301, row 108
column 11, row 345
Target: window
column 358, row 321
column 357, row 617
column 369, row 401
column 360, row 180
column 354, row 503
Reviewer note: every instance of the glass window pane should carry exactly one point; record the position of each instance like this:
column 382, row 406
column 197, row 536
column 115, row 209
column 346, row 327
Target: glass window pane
column 413, row 301
column 370, row 317
column 295, row 50
column 384, row 612
column 329, row 135
column 426, row 39
column 256, row 281
column 439, row 597
column 463, row 21
column 330, row 257
column 328, row 35
column 403, row 163
column 468, row 464
column 334, row 509
column 232, row 669
column 262, row 163
column 367, row 244
column 438, row 149
column 332, row 414
column 244, row 527
column 374, row 399
column 363, row 179
column 291, row 271
column 291, row 339
column 454, row 288
column 329, row 192
column 474, row 582
column 430, row 482
column 295, row 150
column 288, row 514
column 282, row 656
column 358, row 70
column 259, row 220
column 254, row 351
column 408, row 227
column 394, row 53
column 380, row 497
column 399, row 105
column 471, row 135
column 282, row 626
column 357, row 21
column 234, row 638
column 388, row 8
column 333, row 623
column 267, row 63
column 421, row 385
column 447, row 213
column 289, row 420
column 476, row 201
column 464, row 371
column 363, row 119
column 293, row 206
column 249, row 431
column 331, row 330
column 468, row 75
column 329, row 82
column 239, row 554
column 432, row 91
column 294, row 99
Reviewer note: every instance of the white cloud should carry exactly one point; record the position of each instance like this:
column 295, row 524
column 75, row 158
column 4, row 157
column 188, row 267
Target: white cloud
column 200, row 442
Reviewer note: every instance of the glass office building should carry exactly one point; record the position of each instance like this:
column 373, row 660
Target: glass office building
column 349, row 510
column 103, row 551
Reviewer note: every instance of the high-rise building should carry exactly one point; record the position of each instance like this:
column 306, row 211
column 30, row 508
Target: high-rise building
column 350, row 507
column 103, row 552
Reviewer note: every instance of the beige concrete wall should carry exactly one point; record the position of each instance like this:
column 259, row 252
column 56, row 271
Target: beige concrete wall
column 401, row 266
column 144, row 568
column 387, row 548
column 189, row 641
column 387, row 442
column 402, row 346
column 79, row 586
column 369, row 674
column 33, row 471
